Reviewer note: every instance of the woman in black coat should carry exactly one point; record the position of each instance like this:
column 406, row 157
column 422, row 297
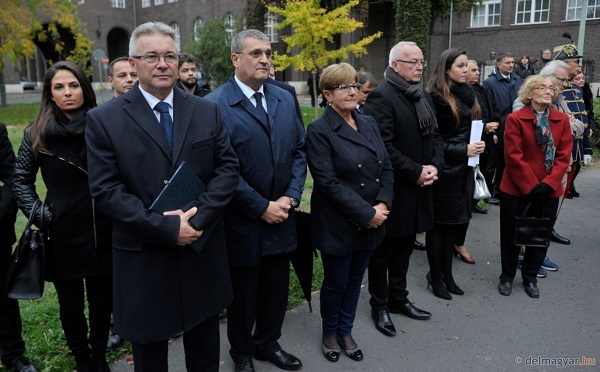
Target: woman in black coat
column 78, row 250
column 456, row 107
column 353, row 190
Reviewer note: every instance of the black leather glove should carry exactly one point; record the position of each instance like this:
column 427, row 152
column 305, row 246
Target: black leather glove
column 538, row 192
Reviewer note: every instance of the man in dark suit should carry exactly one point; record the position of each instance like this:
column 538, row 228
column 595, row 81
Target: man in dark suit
column 260, row 229
column 404, row 113
column 161, row 285
column 12, row 347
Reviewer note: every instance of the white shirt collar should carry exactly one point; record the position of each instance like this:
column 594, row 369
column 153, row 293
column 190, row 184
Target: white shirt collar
column 152, row 100
column 249, row 92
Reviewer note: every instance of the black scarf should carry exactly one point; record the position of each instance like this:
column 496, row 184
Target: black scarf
column 464, row 93
column 64, row 129
column 425, row 113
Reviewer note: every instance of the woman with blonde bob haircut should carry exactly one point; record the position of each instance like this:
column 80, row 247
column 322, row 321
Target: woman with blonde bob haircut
column 352, row 195
column 538, row 143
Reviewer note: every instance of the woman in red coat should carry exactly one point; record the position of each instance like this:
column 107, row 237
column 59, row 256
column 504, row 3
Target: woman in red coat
column 538, row 143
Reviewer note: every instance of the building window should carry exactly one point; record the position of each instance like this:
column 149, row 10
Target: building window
column 117, row 4
column 574, row 10
column 145, row 3
column 198, row 24
column 532, row 11
column 270, row 30
column 177, row 34
column 172, row 1
column 229, row 28
column 159, row 2
column 487, row 14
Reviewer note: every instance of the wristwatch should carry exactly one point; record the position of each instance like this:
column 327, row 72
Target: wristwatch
column 294, row 202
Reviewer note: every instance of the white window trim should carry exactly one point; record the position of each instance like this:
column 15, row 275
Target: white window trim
column 485, row 4
column 532, row 13
column 578, row 8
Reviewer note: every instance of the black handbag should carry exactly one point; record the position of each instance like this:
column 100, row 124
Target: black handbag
column 532, row 231
column 25, row 280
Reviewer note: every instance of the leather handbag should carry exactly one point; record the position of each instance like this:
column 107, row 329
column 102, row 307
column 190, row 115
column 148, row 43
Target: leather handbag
column 481, row 190
column 25, row 280
column 532, row 231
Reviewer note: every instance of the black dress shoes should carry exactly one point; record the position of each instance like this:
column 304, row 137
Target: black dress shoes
column 281, row 359
column 410, row 311
column 559, row 239
column 419, row 246
column 22, row 364
column 383, row 323
column 244, row 367
column 114, row 342
column 532, row 290
column 505, row 288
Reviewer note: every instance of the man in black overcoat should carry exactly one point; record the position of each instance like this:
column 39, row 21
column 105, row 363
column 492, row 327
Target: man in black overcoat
column 163, row 286
column 406, row 119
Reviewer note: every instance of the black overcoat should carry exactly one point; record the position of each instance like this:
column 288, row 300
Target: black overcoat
column 409, row 150
column 352, row 172
column 453, row 192
column 160, row 288
column 79, row 236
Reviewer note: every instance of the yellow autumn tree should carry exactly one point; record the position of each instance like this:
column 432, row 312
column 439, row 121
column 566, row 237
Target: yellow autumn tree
column 313, row 29
column 22, row 22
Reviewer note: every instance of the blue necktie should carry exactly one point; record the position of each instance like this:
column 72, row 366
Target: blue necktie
column 166, row 122
column 262, row 114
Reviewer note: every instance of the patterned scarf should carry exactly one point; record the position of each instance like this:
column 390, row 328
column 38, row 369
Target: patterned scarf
column 543, row 136
column 425, row 114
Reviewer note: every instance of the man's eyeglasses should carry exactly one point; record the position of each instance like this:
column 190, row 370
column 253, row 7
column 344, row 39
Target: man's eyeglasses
column 543, row 88
column 153, row 58
column 346, row 88
column 256, row 54
column 561, row 80
column 413, row 63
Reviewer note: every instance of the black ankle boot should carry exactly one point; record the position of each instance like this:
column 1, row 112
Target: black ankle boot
column 84, row 362
column 438, row 287
column 99, row 362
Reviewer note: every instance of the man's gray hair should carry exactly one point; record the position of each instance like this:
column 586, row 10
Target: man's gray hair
column 552, row 66
column 472, row 62
column 150, row 28
column 237, row 44
column 366, row 77
column 396, row 49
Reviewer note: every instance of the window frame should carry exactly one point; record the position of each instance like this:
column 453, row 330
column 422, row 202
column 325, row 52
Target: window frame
column 536, row 10
column 487, row 5
column 118, row 4
column 576, row 10
column 271, row 21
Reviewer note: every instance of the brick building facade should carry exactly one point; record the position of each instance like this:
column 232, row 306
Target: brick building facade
column 497, row 26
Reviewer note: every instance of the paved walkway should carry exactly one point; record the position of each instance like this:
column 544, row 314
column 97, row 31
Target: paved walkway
column 480, row 330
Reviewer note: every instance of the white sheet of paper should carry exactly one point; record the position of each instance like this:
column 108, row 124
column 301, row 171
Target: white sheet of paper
column 476, row 130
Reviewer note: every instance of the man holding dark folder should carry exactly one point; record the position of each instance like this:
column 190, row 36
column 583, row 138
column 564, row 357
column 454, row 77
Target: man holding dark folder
column 163, row 286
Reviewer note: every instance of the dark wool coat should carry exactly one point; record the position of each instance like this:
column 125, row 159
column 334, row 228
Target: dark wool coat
column 409, row 150
column 272, row 164
column 453, row 192
column 79, row 236
column 160, row 288
column 351, row 172
column 8, row 208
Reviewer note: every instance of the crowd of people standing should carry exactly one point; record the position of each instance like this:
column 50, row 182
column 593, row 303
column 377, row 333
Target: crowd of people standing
column 388, row 161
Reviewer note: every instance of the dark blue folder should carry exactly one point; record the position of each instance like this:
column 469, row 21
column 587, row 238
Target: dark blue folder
column 183, row 187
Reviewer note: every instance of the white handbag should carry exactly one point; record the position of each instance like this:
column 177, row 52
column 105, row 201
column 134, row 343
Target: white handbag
column 481, row 190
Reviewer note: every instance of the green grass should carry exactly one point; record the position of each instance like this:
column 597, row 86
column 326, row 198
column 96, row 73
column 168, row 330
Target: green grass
column 45, row 342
